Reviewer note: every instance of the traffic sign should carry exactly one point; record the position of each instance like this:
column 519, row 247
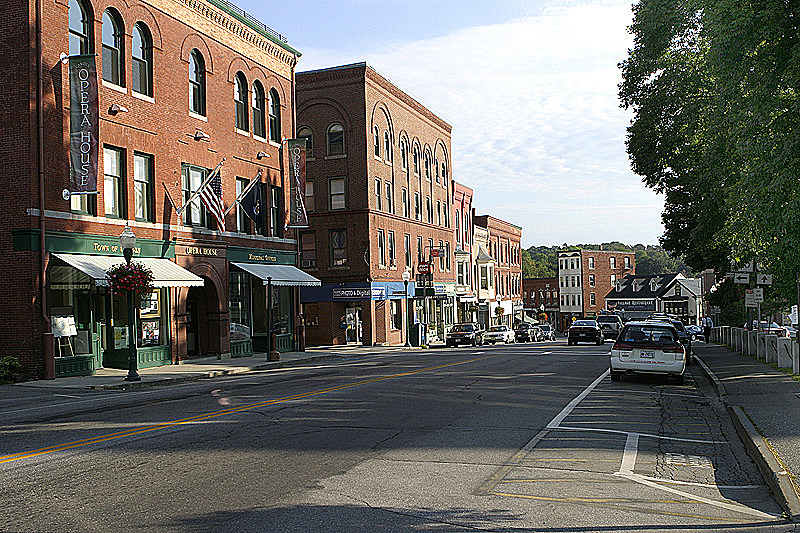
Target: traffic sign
column 745, row 267
column 424, row 268
column 741, row 277
column 750, row 299
column 434, row 252
column 758, row 294
column 764, row 279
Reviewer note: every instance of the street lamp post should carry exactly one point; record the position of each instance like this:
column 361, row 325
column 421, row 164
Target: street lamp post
column 406, row 277
column 127, row 240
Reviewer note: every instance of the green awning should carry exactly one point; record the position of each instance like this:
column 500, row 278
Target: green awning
column 285, row 275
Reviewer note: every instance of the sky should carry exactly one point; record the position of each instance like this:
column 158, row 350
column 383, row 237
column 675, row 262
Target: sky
column 529, row 87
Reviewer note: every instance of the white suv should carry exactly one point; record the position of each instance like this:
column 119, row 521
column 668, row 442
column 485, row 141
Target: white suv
column 648, row 347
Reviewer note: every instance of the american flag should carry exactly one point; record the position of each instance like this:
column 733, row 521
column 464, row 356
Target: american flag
column 211, row 195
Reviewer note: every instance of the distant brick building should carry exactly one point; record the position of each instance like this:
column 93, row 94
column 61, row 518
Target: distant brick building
column 585, row 277
column 541, row 295
column 380, row 202
column 464, row 256
column 503, row 305
column 182, row 85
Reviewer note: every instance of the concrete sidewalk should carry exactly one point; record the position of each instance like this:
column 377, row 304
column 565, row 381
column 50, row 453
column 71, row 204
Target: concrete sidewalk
column 196, row 369
column 765, row 406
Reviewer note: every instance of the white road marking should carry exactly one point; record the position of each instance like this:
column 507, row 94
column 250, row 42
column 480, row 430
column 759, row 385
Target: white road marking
column 555, row 422
column 650, row 435
column 65, row 396
column 694, row 484
column 629, row 454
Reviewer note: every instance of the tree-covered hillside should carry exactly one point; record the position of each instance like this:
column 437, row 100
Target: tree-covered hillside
column 542, row 261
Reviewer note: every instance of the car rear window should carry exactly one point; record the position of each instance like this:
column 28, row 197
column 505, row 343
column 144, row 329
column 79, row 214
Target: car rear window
column 462, row 328
column 497, row 328
column 590, row 323
column 648, row 334
column 608, row 319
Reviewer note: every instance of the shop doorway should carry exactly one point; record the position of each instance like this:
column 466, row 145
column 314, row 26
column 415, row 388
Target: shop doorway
column 353, row 320
column 202, row 330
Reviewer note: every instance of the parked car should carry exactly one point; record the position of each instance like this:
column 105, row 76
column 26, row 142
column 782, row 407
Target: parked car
column 695, row 332
column 500, row 333
column 524, row 332
column 548, row 333
column 650, row 347
column 585, row 331
column 610, row 324
column 683, row 335
column 466, row 333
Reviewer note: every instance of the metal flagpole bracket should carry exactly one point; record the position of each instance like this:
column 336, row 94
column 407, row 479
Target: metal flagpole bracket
column 65, row 194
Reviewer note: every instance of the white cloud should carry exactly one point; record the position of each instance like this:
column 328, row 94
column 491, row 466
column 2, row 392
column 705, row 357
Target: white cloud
column 537, row 127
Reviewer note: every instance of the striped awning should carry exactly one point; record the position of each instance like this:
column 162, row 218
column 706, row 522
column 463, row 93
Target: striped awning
column 286, row 275
column 165, row 272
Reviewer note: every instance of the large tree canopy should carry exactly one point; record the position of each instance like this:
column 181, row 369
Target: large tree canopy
column 713, row 85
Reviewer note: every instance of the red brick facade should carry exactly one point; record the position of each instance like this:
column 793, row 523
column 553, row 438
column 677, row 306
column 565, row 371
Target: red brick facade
column 159, row 126
column 504, row 247
column 380, row 187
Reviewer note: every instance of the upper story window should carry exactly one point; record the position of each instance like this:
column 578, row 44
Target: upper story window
column 337, row 193
column 436, row 167
column 306, row 133
column 403, row 155
column 627, row 262
column 416, row 160
column 590, row 261
column 274, row 116
column 378, row 202
column 591, row 280
column 376, row 141
column 389, row 196
column 240, row 102
column 458, row 228
column 259, row 112
column 417, row 206
column 114, row 182
column 427, row 166
column 335, row 139
column 113, row 48
column 406, row 207
column 612, row 262
column 310, row 196
column 444, row 172
column 80, row 28
column 197, row 83
column 143, row 189
column 387, row 146
column 142, row 60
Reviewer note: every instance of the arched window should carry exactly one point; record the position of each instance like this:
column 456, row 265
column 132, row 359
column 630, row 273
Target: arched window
column 387, row 146
column 113, row 52
column 197, row 83
column 335, row 139
column 142, row 60
column 80, row 28
column 428, row 166
column 240, row 102
column 444, row 172
column 306, row 133
column 416, row 159
column 404, row 154
column 376, row 141
column 458, row 227
column 259, row 110
column 436, row 166
column 274, row 116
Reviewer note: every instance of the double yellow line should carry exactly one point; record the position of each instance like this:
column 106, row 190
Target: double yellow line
column 173, row 423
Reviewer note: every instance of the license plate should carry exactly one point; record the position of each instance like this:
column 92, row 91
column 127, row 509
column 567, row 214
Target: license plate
column 648, row 354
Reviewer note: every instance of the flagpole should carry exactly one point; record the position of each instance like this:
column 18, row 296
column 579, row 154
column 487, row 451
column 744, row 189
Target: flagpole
column 252, row 184
column 194, row 195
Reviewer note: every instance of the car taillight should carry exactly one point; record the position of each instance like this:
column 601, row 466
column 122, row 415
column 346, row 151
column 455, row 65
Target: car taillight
column 675, row 348
column 621, row 346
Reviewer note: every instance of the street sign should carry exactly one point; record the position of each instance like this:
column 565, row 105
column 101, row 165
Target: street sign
column 424, row 268
column 763, row 279
column 741, row 277
column 434, row 252
column 745, row 267
column 758, row 294
column 750, row 298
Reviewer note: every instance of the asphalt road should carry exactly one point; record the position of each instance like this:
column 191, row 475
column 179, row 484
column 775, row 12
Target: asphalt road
column 531, row 437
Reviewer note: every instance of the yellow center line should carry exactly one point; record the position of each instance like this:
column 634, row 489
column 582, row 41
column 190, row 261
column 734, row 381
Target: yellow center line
column 173, row 423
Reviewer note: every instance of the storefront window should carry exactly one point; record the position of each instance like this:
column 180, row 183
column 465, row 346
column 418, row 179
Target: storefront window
column 152, row 319
column 71, row 301
column 281, row 310
column 239, row 294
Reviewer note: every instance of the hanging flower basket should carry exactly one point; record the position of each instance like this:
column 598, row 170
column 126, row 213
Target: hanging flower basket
column 133, row 277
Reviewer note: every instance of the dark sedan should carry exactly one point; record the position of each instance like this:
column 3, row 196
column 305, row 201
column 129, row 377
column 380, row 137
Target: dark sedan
column 526, row 333
column 467, row 333
column 585, row 331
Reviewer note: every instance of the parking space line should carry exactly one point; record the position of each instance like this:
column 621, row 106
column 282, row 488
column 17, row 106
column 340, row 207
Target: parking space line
column 629, row 454
column 649, row 435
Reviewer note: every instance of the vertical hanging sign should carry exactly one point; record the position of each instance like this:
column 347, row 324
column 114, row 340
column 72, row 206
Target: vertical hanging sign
column 297, row 171
column 83, row 127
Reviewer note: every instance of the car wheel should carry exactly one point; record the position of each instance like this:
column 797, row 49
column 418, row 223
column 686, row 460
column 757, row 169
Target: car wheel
column 474, row 342
column 615, row 375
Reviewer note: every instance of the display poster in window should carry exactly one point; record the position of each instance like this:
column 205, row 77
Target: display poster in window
column 297, row 171
column 149, row 305
column 150, row 332
column 120, row 337
column 84, row 120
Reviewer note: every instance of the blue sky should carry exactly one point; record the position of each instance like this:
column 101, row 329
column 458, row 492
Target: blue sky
column 530, row 88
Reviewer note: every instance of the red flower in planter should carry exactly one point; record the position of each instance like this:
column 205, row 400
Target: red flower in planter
column 134, row 277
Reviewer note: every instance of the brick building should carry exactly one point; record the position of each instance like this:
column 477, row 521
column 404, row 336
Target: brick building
column 466, row 296
column 541, row 295
column 585, row 277
column 379, row 200
column 182, row 85
column 503, row 273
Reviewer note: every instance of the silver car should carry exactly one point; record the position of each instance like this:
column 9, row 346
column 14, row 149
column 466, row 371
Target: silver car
column 650, row 348
column 500, row 333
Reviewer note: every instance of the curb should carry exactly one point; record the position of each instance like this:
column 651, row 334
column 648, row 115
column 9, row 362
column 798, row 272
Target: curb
column 759, row 451
column 774, row 474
